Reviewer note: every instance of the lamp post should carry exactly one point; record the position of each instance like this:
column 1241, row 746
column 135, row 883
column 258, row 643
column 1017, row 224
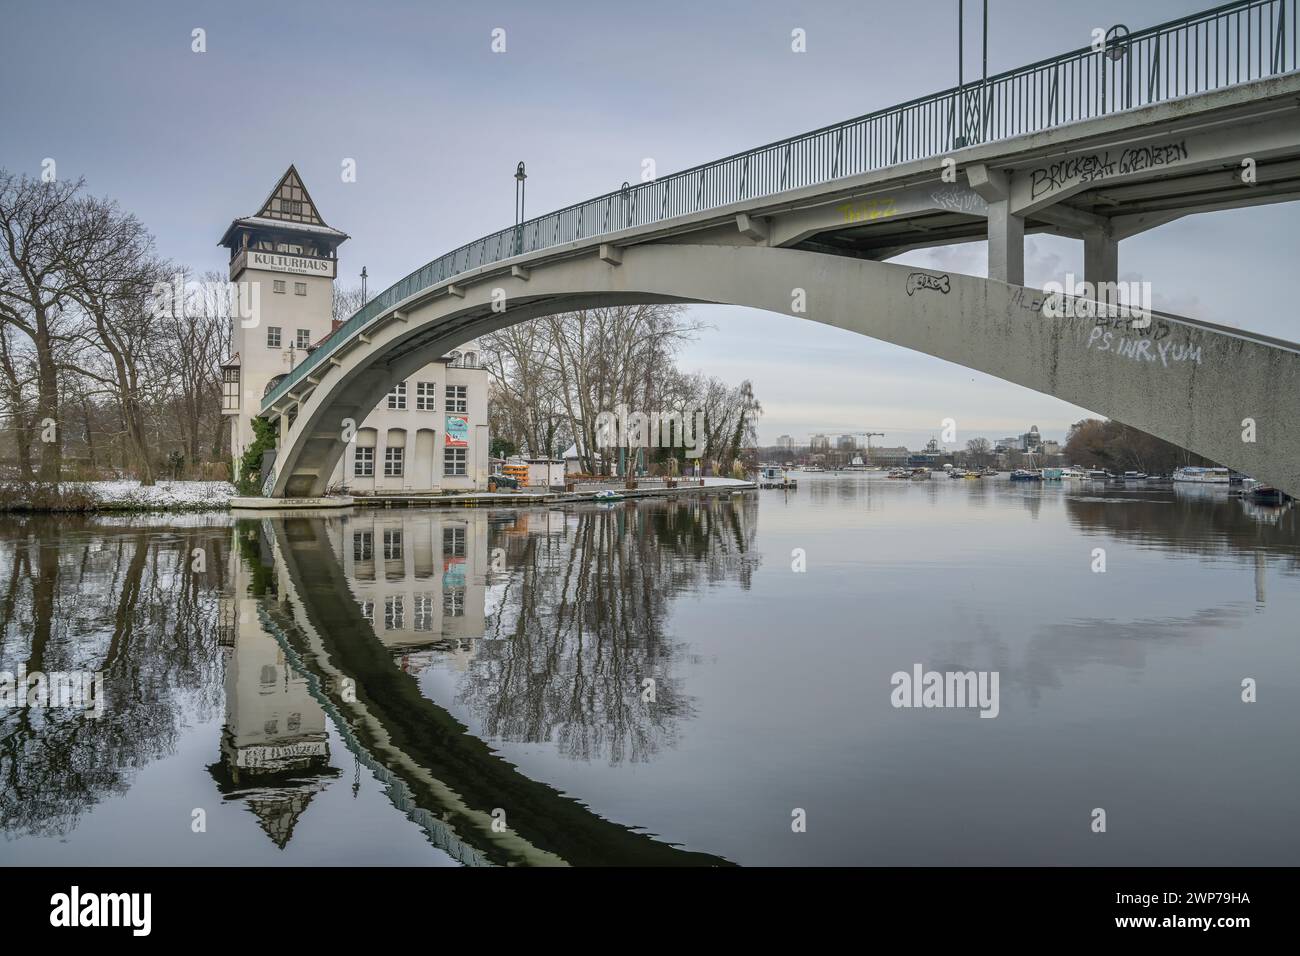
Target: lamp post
column 520, row 176
column 363, row 285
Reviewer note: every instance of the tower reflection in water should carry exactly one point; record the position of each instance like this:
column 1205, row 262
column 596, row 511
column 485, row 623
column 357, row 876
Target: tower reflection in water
column 551, row 634
column 418, row 579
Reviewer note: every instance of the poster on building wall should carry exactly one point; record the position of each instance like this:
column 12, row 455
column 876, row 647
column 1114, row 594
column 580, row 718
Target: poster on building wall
column 457, row 431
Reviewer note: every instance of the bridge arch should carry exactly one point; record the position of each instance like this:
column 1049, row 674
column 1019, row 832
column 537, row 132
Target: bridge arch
column 1191, row 383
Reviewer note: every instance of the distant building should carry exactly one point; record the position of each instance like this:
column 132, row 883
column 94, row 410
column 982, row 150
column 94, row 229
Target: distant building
column 785, row 443
column 819, row 443
column 1031, row 440
column 889, row 456
column 930, row 457
column 1051, row 447
column 846, row 443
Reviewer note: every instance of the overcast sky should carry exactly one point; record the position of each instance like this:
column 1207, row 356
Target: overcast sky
column 436, row 122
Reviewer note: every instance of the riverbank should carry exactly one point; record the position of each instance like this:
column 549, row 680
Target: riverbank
column 78, row 497
column 523, row 496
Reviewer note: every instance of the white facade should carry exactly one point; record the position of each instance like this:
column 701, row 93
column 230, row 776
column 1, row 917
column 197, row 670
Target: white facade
column 431, row 434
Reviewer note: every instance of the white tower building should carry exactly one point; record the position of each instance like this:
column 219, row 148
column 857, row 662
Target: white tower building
column 431, row 432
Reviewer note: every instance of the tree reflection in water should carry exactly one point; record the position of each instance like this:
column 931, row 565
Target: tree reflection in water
column 117, row 597
column 581, row 623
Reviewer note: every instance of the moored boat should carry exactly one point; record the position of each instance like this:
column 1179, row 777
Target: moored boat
column 1202, row 476
column 1266, row 495
column 1024, row 474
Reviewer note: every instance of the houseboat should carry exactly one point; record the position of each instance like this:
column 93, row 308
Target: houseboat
column 1202, row 476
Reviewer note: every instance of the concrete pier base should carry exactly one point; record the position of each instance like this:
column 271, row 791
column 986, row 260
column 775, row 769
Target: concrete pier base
column 284, row 504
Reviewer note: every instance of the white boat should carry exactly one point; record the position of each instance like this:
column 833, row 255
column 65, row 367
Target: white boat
column 1071, row 473
column 1202, row 476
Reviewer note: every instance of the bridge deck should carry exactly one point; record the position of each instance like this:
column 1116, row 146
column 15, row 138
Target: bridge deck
column 1173, row 64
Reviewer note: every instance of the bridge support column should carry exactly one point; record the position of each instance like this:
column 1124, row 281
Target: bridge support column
column 1100, row 257
column 1006, row 229
column 1006, row 244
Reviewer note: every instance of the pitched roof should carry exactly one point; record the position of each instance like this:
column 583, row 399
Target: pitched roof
column 288, row 206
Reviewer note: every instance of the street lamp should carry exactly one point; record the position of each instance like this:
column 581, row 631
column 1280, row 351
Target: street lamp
column 363, row 285
column 520, row 176
column 1116, row 42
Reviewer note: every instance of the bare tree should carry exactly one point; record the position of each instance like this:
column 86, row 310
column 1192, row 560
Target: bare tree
column 111, row 277
column 35, row 245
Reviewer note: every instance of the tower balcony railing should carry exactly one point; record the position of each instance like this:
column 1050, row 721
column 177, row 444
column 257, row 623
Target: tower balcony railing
column 1225, row 46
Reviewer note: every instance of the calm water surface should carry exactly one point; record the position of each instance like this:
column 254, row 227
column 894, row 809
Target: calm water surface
column 471, row 686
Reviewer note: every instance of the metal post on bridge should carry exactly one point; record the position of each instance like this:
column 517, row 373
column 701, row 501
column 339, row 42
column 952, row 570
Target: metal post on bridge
column 520, row 176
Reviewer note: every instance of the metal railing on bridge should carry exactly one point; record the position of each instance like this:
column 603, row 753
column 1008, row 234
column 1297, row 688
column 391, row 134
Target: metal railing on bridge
column 1225, row 46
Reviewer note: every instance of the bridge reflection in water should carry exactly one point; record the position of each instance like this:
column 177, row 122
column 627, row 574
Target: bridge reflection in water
column 234, row 673
column 333, row 618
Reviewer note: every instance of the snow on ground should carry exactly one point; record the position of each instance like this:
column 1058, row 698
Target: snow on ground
column 165, row 495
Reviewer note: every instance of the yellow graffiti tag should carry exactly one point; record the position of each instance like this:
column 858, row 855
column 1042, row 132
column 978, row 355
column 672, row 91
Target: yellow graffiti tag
column 866, row 210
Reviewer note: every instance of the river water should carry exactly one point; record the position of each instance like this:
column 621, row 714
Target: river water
column 698, row 681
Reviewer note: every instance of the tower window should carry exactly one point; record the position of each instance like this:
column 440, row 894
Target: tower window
column 394, row 616
column 456, row 398
column 304, row 338
column 424, row 612
column 363, row 543
column 392, row 544
column 364, row 466
column 393, row 458
column 424, row 396
column 453, row 462
column 453, row 602
column 277, row 285
column 300, row 288
column 397, row 397
column 272, row 336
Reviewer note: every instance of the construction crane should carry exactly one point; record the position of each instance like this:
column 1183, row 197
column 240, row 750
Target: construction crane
column 868, row 436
